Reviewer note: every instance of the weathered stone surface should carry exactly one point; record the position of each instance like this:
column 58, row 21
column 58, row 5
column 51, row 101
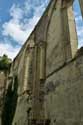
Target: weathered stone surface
column 22, row 116
column 46, row 76
column 64, row 101
column 72, row 30
column 61, row 38
column 2, row 91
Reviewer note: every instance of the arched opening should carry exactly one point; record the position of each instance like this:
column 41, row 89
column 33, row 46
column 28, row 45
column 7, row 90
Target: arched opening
column 79, row 22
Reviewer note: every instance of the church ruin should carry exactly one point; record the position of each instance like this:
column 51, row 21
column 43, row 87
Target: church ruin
column 45, row 83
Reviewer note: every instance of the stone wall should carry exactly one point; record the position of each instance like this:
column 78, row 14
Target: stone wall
column 2, row 91
column 64, row 92
column 45, row 82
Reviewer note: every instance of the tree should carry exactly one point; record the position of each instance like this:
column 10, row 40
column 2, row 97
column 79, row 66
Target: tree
column 5, row 62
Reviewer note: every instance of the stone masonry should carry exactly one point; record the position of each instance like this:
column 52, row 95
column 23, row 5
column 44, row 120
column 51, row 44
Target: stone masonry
column 2, row 91
column 44, row 86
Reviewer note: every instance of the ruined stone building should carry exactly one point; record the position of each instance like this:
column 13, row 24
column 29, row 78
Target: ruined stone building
column 45, row 84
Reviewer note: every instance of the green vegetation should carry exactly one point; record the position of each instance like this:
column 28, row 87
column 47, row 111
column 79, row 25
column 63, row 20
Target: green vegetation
column 5, row 63
column 10, row 103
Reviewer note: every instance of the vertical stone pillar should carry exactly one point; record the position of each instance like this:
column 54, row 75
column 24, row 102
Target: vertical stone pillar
column 38, row 83
column 42, row 60
column 61, row 32
column 35, row 92
column 26, row 73
column 28, row 61
column 64, row 29
column 68, row 28
column 66, row 36
column 81, row 6
column 42, row 80
column 64, row 33
column 72, row 31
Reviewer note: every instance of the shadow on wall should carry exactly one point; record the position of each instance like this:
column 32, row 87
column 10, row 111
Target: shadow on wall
column 10, row 103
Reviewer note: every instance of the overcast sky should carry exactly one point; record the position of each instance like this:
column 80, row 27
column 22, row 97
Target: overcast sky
column 18, row 18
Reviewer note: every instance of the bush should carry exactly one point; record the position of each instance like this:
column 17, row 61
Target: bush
column 5, row 63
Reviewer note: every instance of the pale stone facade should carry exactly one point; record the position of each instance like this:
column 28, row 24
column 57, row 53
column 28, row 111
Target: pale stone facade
column 46, row 76
column 2, row 91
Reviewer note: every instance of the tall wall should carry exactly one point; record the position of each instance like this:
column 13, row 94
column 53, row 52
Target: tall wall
column 2, row 91
column 63, row 94
column 43, row 86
